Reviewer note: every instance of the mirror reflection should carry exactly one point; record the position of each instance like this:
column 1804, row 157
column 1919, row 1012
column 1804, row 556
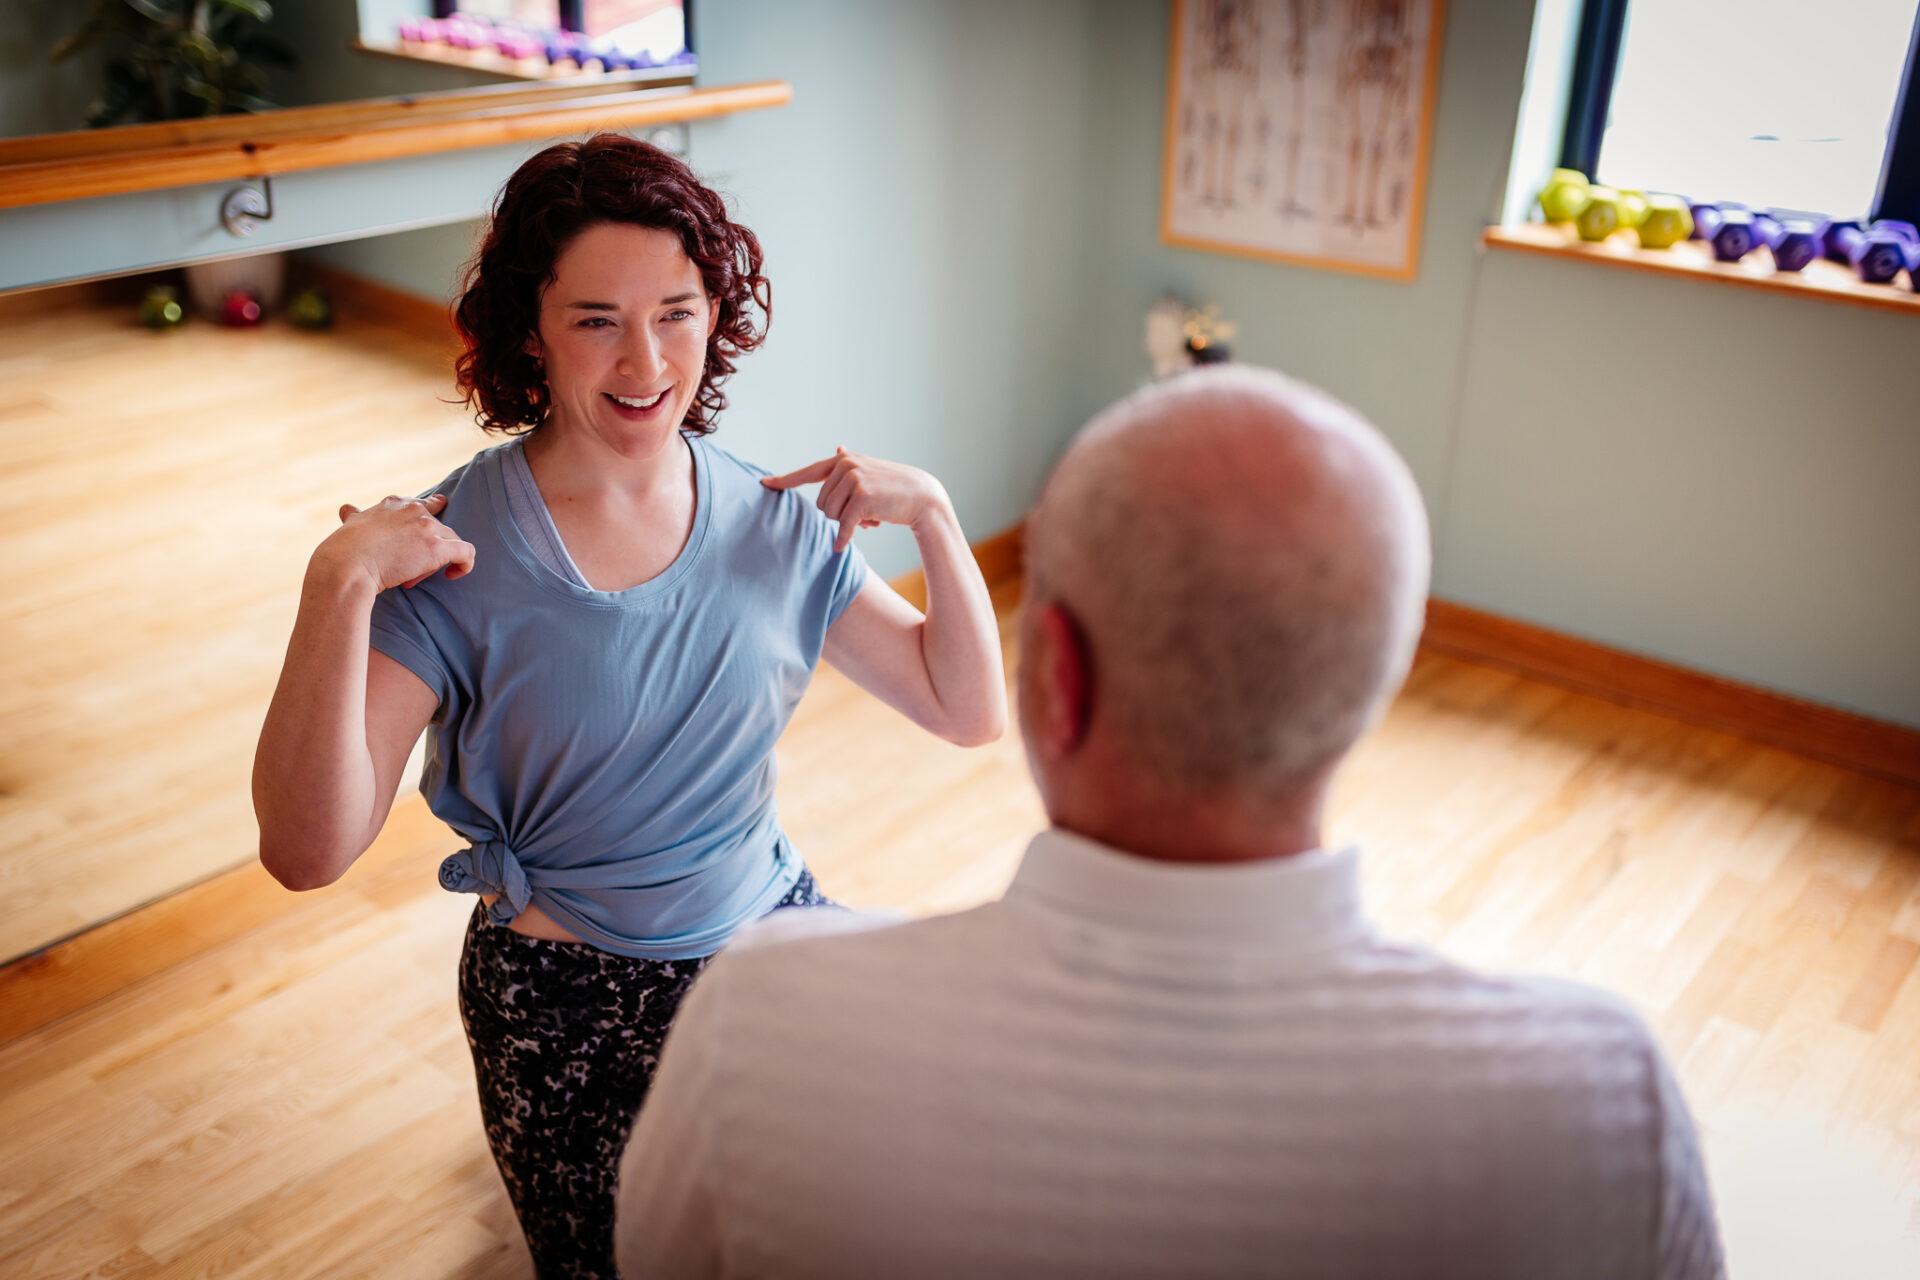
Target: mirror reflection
column 187, row 423
column 67, row 66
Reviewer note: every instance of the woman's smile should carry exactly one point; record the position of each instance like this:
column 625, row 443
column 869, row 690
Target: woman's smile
column 639, row 408
column 623, row 337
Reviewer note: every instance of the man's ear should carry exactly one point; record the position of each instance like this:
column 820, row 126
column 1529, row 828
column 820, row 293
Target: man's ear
column 1065, row 681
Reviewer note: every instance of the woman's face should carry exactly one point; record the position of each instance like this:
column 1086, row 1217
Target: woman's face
column 623, row 333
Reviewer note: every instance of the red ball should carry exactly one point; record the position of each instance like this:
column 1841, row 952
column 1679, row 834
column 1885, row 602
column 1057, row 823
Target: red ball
column 240, row 308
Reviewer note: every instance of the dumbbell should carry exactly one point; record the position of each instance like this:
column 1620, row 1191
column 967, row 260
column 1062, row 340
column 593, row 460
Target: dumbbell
column 515, row 45
column 1706, row 219
column 1893, row 226
column 1736, row 236
column 1633, row 208
column 1564, row 195
column 1830, row 247
column 463, row 32
column 161, row 308
column 1879, row 253
column 1668, row 221
column 1798, row 243
column 1599, row 217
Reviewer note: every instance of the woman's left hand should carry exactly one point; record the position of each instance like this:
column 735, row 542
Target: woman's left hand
column 862, row 492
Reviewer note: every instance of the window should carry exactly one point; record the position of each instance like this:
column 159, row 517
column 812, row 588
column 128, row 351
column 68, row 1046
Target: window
column 1770, row 103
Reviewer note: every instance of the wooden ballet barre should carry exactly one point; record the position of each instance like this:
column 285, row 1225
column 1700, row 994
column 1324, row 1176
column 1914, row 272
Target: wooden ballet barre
column 51, row 167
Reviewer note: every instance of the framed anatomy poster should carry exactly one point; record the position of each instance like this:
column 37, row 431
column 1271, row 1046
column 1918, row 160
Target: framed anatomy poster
column 1298, row 130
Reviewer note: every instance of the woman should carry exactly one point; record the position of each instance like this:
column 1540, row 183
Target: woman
column 607, row 621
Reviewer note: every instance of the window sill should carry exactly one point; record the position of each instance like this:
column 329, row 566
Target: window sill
column 1825, row 280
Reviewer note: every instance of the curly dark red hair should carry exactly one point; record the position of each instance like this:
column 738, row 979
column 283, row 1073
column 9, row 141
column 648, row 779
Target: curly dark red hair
column 548, row 201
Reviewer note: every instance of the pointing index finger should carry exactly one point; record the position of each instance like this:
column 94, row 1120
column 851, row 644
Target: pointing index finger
column 808, row 474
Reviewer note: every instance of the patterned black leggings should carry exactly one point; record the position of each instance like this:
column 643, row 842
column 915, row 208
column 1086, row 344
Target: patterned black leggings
column 565, row 1039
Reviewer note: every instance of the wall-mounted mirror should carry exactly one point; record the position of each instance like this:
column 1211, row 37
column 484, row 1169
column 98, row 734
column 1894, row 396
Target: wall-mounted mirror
column 67, row 65
column 172, row 470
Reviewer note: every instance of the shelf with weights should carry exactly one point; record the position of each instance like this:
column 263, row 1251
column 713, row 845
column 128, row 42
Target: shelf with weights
column 1871, row 265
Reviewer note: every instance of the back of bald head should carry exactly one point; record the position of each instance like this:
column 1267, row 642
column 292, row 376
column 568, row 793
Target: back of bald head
column 1247, row 560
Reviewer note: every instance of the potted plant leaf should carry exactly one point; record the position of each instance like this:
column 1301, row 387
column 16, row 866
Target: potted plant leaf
column 182, row 60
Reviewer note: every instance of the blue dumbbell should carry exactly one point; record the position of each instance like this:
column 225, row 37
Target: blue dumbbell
column 1736, row 235
column 1831, row 246
column 1877, row 256
column 1706, row 218
column 1894, row 227
column 1797, row 244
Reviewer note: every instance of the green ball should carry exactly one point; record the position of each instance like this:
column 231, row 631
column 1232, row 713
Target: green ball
column 161, row 308
column 310, row 309
column 1566, row 191
column 1667, row 223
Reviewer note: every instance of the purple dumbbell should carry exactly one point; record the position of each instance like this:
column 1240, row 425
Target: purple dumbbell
column 1833, row 244
column 1766, row 228
column 1706, row 218
column 1894, row 227
column 1877, row 256
column 1913, row 267
column 1735, row 237
column 1797, row 244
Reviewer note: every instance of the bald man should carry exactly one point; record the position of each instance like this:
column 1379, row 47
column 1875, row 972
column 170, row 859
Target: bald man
column 1175, row 1047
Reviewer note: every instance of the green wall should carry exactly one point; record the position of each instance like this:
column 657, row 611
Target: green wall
column 1716, row 477
column 960, row 215
column 921, row 206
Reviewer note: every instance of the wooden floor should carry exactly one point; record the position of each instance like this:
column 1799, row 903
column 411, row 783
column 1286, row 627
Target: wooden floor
column 161, row 494
column 297, row 1101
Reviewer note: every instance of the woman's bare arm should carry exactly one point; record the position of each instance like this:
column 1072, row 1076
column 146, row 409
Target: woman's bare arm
column 942, row 669
column 343, row 717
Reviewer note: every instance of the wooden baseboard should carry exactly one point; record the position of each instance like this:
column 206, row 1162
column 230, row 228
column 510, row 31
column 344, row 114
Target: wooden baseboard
column 115, row 291
column 1001, row 558
column 352, row 294
column 357, row 295
column 1776, row 719
column 71, row 974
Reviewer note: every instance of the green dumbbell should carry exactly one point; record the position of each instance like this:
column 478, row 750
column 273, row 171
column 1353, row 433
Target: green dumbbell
column 311, row 308
column 161, row 309
column 1599, row 217
column 1564, row 194
column 1633, row 208
column 1668, row 221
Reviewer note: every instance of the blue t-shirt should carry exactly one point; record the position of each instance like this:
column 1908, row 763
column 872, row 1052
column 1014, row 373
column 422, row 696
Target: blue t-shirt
column 609, row 754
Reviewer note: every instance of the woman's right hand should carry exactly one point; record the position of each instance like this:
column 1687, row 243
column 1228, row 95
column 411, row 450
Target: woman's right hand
column 397, row 542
